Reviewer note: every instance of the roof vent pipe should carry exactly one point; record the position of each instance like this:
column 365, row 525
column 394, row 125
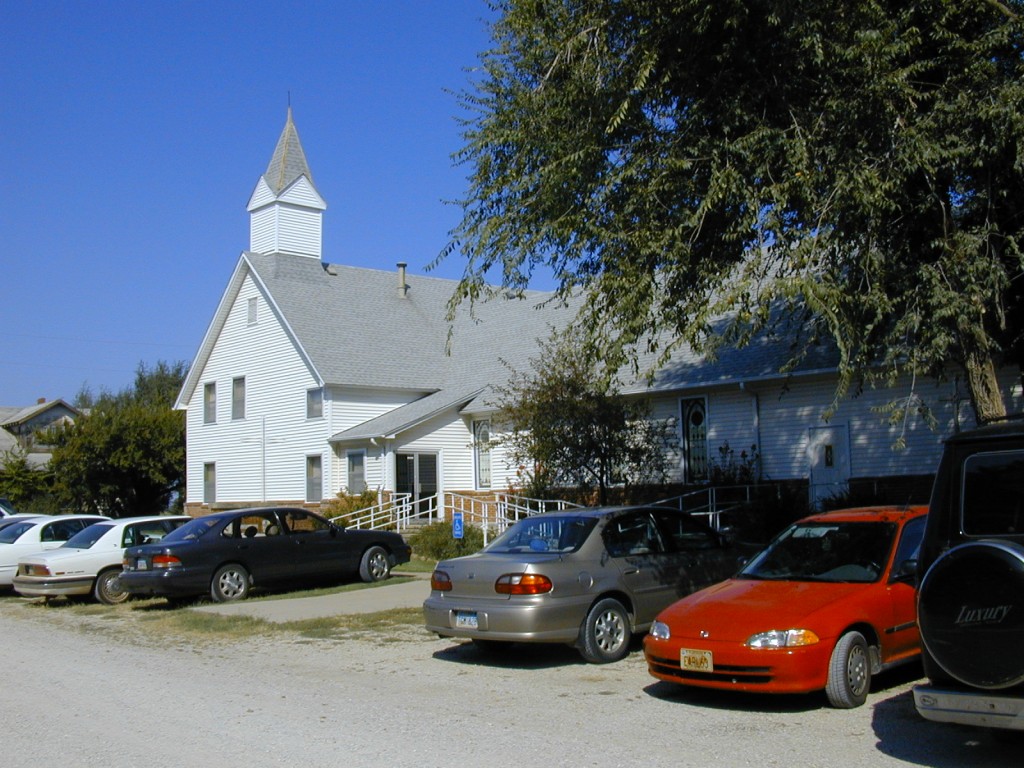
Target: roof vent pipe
column 403, row 289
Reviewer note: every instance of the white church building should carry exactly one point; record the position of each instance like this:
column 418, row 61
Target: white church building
column 315, row 378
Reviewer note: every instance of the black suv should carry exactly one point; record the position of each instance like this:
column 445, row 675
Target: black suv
column 971, row 593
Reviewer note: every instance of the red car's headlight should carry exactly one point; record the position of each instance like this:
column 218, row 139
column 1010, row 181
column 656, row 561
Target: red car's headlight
column 782, row 638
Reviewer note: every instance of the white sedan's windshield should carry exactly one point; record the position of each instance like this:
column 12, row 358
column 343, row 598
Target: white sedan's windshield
column 825, row 551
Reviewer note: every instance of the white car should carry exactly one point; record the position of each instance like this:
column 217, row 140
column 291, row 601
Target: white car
column 32, row 535
column 90, row 561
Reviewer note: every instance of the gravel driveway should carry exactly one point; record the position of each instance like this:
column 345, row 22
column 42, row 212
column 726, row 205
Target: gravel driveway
column 91, row 691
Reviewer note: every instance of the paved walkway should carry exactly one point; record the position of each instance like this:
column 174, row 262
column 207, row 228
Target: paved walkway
column 395, row 593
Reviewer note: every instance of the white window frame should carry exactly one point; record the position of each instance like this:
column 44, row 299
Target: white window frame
column 315, row 403
column 238, row 398
column 252, row 311
column 210, row 482
column 314, row 479
column 687, row 448
column 350, row 486
column 482, row 455
column 210, row 402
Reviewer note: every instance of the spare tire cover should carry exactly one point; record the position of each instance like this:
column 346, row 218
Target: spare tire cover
column 971, row 613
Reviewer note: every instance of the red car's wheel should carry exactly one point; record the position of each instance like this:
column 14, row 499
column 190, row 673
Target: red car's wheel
column 849, row 672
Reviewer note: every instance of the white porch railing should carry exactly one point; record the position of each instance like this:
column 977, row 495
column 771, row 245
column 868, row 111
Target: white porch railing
column 386, row 513
column 711, row 502
column 494, row 513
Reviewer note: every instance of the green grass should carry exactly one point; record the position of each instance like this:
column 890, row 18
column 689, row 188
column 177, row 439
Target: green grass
column 157, row 618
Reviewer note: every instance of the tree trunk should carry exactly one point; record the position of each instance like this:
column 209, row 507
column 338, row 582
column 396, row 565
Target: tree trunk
column 983, row 386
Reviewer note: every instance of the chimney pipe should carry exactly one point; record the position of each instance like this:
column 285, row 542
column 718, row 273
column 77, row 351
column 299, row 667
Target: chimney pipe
column 403, row 289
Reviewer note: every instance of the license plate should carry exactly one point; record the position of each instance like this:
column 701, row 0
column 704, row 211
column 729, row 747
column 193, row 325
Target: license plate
column 465, row 619
column 140, row 565
column 696, row 661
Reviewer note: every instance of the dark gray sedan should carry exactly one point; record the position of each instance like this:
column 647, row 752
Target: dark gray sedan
column 587, row 577
column 226, row 553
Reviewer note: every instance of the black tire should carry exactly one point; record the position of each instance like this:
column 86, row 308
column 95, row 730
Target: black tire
column 605, row 634
column 375, row 565
column 967, row 615
column 849, row 672
column 107, row 589
column 230, row 582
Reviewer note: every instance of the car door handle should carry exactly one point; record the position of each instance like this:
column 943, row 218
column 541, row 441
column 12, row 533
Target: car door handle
column 630, row 571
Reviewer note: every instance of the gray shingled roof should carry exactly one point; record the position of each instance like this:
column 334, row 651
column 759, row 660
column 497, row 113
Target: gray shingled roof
column 288, row 161
column 760, row 360
column 359, row 331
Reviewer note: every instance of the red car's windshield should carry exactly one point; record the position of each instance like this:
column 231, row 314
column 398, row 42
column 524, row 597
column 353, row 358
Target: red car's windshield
column 825, row 551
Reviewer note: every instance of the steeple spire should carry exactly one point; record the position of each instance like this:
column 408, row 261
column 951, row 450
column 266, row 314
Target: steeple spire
column 289, row 161
column 285, row 209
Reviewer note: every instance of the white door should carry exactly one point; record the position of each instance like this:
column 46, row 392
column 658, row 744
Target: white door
column 828, row 453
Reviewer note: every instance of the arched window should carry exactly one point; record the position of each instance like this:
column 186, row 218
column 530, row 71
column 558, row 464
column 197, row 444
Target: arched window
column 482, row 449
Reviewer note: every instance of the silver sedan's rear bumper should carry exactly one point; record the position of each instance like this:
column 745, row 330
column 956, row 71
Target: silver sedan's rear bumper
column 530, row 620
column 981, row 708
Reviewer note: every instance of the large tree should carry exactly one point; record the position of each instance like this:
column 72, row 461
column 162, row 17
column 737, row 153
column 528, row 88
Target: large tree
column 569, row 426
column 127, row 456
column 855, row 166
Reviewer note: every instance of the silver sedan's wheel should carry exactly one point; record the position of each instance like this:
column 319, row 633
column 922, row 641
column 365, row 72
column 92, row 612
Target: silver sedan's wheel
column 230, row 582
column 849, row 672
column 375, row 565
column 108, row 589
column 605, row 634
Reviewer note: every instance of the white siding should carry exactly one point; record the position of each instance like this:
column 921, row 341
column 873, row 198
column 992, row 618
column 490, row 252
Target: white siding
column 263, row 456
column 282, row 228
column 303, row 194
column 449, row 437
column 262, row 195
column 777, row 421
column 349, row 408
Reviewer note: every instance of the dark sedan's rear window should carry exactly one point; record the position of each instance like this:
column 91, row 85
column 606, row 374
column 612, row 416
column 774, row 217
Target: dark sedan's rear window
column 562, row 533
column 193, row 529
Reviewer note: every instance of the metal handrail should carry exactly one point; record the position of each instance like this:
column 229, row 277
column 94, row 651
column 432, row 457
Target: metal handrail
column 494, row 513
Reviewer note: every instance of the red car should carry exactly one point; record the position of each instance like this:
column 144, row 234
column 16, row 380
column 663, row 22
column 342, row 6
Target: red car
column 826, row 605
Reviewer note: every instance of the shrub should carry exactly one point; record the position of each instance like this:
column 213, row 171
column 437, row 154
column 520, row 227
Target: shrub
column 435, row 541
column 344, row 504
column 731, row 469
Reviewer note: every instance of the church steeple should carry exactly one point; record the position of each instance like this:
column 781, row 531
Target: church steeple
column 286, row 210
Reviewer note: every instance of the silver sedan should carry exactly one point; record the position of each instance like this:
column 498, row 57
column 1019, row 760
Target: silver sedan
column 587, row 577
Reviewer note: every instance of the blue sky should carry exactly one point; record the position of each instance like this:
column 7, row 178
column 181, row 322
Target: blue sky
column 133, row 134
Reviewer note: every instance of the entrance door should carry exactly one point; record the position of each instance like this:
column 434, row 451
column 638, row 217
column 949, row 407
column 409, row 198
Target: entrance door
column 416, row 474
column 828, row 452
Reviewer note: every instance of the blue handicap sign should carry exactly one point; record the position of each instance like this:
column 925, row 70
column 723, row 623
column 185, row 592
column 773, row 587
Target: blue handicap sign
column 457, row 528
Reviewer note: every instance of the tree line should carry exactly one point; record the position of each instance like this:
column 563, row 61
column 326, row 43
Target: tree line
column 124, row 457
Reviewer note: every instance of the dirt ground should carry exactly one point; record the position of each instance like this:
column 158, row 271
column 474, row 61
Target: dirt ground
column 102, row 689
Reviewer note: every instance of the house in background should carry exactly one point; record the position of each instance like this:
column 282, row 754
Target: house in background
column 21, row 428
column 315, row 378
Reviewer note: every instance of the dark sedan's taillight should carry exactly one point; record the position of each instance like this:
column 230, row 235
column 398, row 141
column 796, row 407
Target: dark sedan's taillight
column 440, row 581
column 522, row 584
column 166, row 561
